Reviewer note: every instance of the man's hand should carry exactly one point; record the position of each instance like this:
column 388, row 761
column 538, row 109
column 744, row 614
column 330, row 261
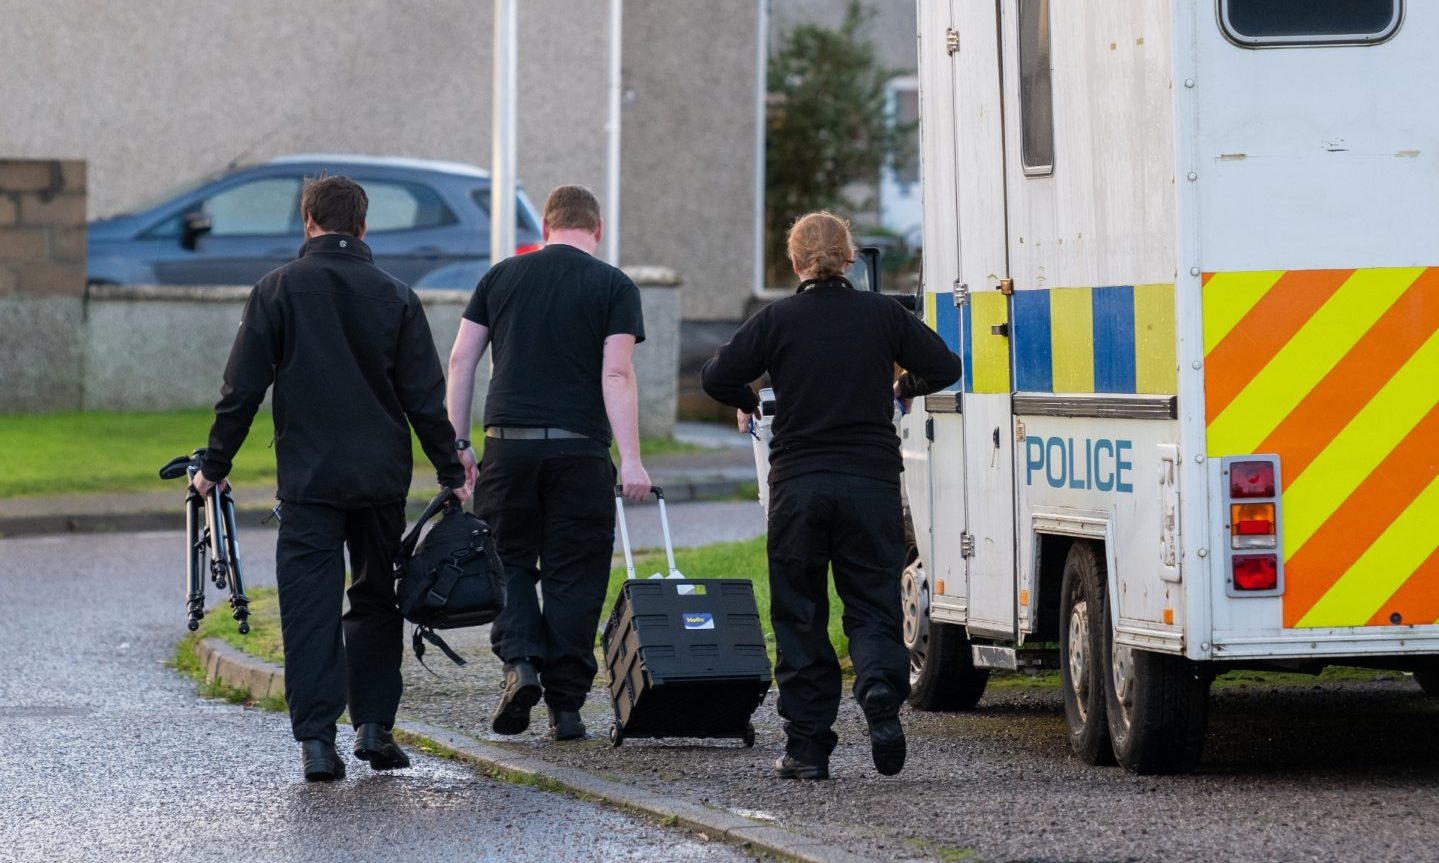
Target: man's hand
column 904, row 403
column 635, row 480
column 462, row 493
column 744, row 417
column 203, row 486
column 472, row 468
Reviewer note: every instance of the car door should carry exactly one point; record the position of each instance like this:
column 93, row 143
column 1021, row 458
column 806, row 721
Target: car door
column 255, row 228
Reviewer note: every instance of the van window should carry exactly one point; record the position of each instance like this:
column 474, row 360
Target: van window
column 1036, row 103
column 1312, row 22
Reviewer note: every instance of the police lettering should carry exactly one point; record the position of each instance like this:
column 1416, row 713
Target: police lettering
column 1098, row 464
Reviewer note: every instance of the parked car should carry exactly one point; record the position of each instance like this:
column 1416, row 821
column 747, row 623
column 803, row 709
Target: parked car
column 429, row 224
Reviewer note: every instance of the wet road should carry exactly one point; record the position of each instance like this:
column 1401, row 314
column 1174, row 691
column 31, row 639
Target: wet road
column 111, row 756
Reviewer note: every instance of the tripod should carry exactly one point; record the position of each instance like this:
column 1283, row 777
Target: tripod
column 210, row 543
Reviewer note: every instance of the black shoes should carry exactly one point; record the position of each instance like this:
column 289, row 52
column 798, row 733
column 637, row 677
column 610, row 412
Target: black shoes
column 789, row 767
column 886, row 735
column 322, row 762
column 374, row 743
column 566, row 724
column 520, row 693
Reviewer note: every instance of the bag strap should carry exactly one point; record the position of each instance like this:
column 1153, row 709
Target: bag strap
column 412, row 539
column 447, row 574
column 425, row 633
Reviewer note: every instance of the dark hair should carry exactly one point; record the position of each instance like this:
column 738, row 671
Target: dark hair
column 572, row 207
column 335, row 203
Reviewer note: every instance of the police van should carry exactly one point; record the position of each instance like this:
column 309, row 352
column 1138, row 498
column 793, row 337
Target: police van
column 1189, row 253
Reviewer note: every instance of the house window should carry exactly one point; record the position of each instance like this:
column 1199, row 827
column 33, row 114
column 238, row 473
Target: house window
column 1312, row 22
column 1036, row 101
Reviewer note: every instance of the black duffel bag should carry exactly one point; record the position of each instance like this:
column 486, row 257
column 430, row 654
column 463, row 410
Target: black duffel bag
column 453, row 578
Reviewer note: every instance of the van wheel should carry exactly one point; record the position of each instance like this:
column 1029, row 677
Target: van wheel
column 942, row 675
column 1158, row 709
column 1428, row 681
column 1084, row 621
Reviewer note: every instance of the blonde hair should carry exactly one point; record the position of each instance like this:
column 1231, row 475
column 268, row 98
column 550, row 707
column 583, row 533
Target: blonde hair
column 819, row 245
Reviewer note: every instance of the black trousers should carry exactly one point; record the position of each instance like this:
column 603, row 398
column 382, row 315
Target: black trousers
column 329, row 664
column 854, row 525
column 551, row 504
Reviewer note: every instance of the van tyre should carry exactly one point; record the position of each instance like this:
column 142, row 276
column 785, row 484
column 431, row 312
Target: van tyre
column 1158, row 709
column 942, row 675
column 1428, row 680
column 1084, row 623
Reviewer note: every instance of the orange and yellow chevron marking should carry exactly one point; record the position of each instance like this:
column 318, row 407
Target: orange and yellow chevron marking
column 1337, row 372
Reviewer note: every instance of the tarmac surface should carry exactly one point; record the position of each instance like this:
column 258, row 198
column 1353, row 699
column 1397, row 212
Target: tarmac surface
column 111, row 756
column 1328, row 768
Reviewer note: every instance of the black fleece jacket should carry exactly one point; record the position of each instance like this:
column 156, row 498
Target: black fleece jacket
column 830, row 352
column 349, row 351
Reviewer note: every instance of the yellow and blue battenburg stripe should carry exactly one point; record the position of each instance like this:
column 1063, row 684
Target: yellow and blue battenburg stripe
column 1118, row 339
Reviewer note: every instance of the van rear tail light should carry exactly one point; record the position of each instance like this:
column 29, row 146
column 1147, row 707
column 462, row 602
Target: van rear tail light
column 1253, row 498
column 527, row 248
column 1256, row 572
column 1249, row 479
column 1251, row 525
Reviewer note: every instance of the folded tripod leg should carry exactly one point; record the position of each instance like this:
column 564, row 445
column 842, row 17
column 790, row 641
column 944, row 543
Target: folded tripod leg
column 194, row 560
column 239, row 602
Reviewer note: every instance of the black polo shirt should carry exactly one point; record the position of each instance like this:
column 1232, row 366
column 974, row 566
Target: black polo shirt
column 549, row 313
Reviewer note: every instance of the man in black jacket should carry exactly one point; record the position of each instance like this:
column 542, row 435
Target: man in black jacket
column 830, row 352
column 349, row 351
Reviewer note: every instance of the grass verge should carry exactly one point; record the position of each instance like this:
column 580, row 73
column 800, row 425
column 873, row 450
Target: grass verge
column 263, row 641
column 136, row 444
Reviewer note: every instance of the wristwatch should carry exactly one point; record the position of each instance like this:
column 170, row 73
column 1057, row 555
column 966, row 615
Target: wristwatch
column 462, row 444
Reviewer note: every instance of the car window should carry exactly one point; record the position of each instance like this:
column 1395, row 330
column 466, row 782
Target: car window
column 524, row 220
column 268, row 206
column 398, row 206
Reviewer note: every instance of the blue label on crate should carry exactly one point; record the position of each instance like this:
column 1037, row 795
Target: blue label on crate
column 702, row 620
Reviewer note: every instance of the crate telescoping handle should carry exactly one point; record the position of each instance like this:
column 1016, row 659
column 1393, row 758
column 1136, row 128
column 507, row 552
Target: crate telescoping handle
column 659, row 494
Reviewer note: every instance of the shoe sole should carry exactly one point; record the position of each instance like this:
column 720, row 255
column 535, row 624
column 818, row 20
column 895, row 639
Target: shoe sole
column 887, row 747
column 325, row 775
column 806, row 776
column 515, row 717
column 379, row 759
column 886, row 736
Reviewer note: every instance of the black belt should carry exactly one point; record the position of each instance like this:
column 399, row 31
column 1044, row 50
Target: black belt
column 524, row 433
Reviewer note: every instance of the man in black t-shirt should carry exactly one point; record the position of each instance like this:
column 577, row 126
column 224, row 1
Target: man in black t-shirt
column 563, row 326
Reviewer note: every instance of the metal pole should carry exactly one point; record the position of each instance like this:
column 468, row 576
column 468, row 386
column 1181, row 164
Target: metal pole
column 502, row 170
column 612, row 128
column 761, row 123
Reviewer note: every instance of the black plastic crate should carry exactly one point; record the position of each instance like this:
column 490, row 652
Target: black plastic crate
column 685, row 664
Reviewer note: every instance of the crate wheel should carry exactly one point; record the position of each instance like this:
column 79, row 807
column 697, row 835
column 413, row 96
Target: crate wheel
column 748, row 737
column 617, row 734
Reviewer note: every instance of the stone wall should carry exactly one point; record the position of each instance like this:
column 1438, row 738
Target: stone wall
column 42, row 283
column 162, row 348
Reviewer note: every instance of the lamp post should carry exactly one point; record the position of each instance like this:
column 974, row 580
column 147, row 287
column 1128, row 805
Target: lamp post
column 502, row 164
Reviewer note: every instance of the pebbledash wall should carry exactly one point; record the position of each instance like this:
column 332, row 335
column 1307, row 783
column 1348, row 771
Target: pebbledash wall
column 149, row 347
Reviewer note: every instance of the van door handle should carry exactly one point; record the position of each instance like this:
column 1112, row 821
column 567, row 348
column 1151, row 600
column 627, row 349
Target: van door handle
column 1000, row 330
column 427, row 252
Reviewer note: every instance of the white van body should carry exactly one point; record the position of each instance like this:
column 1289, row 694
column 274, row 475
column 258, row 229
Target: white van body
column 1215, row 266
